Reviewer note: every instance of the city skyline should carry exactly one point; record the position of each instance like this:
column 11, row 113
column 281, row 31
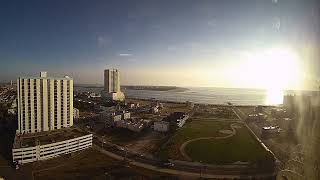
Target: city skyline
column 206, row 44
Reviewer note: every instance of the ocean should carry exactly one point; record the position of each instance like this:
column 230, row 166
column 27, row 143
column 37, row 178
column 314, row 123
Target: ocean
column 206, row 95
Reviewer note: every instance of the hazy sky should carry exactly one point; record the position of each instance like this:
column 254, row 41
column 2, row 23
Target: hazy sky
column 184, row 43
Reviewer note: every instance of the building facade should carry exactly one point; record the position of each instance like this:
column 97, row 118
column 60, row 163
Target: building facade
column 44, row 103
column 111, row 80
column 39, row 152
column 161, row 126
column 76, row 113
column 112, row 89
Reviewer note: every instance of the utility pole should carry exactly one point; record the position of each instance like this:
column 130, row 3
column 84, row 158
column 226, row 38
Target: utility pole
column 102, row 142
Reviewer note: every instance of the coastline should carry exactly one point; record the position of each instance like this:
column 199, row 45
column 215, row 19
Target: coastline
column 203, row 104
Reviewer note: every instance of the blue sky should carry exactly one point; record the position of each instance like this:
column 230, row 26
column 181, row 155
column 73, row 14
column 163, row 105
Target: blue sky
column 152, row 42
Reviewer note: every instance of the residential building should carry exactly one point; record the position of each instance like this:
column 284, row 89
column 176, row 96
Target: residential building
column 133, row 105
column 76, row 113
column 270, row 130
column 136, row 125
column 177, row 119
column 126, row 115
column 190, row 104
column 154, row 109
column 112, row 89
column 116, row 117
column 44, row 103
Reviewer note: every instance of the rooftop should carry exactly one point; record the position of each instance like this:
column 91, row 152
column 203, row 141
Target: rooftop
column 37, row 77
column 43, row 75
column 30, row 140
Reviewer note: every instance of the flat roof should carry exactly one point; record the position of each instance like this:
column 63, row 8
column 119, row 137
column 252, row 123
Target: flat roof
column 38, row 77
column 270, row 127
column 47, row 137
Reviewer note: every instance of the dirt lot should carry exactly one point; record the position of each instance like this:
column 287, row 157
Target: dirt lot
column 89, row 164
column 145, row 142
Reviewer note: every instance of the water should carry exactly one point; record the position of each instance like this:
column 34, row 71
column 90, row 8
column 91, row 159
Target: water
column 207, row 95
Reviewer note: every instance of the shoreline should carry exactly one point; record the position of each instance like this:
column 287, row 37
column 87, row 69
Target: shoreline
column 205, row 104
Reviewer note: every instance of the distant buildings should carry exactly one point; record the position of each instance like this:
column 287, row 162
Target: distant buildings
column 174, row 121
column 178, row 119
column 190, row 104
column 76, row 113
column 270, row 131
column 111, row 118
column 122, row 119
column 132, row 105
column 135, row 125
column 161, row 126
column 13, row 109
column 154, row 109
column 112, row 89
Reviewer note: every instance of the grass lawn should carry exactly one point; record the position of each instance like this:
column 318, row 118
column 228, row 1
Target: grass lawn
column 241, row 147
column 191, row 130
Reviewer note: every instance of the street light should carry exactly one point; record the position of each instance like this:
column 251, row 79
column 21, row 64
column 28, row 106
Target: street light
column 102, row 142
column 200, row 169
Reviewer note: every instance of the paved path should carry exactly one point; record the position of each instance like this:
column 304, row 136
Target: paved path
column 169, row 171
column 182, row 147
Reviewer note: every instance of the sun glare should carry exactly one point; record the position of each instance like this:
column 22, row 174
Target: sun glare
column 274, row 70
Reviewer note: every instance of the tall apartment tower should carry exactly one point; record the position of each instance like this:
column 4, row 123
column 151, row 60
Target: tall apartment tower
column 44, row 103
column 111, row 80
column 112, row 89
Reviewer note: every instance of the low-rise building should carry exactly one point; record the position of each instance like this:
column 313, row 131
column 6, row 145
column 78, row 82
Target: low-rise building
column 12, row 111
column 133, row 124
column 110, row 118
column 116, row 117
column 154, row 109
column 94, row 95
column 44, row 146
column 76, row 113
column 190, row 104
column 126, row 115
column 257, row 116
column 161, row 126
column 178, row 119
column 270, row 131
column 133, row 105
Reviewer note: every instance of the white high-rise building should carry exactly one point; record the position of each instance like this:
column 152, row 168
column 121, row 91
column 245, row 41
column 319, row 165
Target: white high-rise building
column 44, row 103
column 112, row 89
column 111, row 80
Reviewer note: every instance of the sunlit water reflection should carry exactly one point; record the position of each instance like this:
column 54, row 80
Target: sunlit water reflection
column 274, row 97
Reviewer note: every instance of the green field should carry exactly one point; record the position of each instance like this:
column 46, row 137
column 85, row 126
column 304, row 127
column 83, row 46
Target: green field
column 191, row 130
column 241, row 147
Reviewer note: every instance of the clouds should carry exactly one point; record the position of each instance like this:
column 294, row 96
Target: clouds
column 125, row 55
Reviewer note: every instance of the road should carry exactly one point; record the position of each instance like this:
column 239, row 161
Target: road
column 185, row 170
column 174, row 171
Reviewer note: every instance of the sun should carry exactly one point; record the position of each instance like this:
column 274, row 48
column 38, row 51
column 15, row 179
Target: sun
column 274, row 70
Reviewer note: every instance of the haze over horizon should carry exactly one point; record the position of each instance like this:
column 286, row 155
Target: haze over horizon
column 247, row 44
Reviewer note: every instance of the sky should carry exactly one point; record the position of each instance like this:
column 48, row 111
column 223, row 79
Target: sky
column 213, row 43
